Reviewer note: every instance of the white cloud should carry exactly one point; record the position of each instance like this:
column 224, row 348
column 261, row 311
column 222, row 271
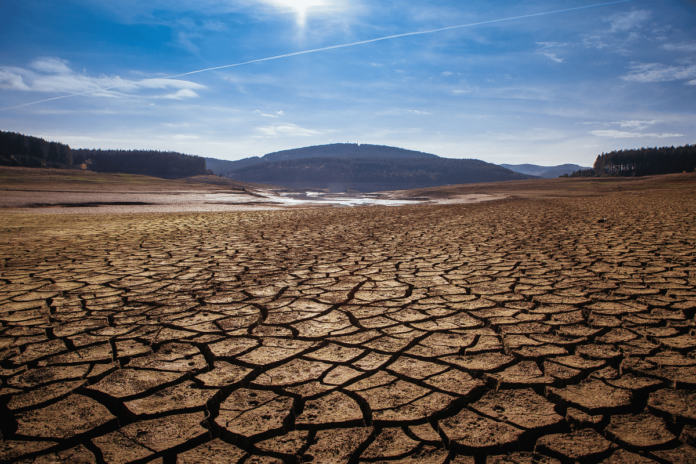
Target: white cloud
column 50, row 65
column 287, row 130
column 57, row 77
column 638, row 125
column 181, row 94
column 10, row 80
column 627, row 21
column 657, row 72
column 615, row 134
column 277, row 114
column 684, row 47
column 460, row 91
column 547, row 49
column 418, row 112
column 594, row 41
column 691, row 82
column 159, row 83
column 447, row 73
column 242, row 81
column 553, row 57
column 185, row 42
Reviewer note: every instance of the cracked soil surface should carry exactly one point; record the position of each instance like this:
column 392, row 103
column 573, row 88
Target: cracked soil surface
column 516, row 331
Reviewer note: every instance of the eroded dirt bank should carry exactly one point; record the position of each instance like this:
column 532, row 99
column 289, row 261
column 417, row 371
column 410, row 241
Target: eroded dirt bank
column 420, row 334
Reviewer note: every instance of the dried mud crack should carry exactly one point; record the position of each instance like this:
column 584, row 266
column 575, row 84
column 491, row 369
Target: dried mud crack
column 514, row 331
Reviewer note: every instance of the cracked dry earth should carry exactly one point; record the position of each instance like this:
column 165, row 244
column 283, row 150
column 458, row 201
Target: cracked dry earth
column 515, row 331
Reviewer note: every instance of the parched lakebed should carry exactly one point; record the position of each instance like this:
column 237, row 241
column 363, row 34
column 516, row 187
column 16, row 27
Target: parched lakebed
column 518, row 330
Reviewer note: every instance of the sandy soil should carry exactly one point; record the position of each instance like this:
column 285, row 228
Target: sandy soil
column 554, row 325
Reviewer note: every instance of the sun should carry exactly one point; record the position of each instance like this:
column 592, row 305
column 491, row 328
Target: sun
column 301, row 7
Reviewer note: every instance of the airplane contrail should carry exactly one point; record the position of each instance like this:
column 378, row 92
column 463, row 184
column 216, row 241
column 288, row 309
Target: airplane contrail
column 332, row 47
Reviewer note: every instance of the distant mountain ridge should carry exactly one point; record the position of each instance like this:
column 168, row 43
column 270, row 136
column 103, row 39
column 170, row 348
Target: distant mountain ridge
column 365, row 168
column 546, row 172
column 335, row 150
column 346, row 150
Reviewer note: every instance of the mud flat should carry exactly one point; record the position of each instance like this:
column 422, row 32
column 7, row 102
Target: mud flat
column 60, row 191
column 553, row 325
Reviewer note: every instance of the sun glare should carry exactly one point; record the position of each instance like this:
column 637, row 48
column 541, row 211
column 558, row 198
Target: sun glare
column 301, row 6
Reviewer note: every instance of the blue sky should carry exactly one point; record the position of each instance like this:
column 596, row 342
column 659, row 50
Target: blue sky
column 546, row 89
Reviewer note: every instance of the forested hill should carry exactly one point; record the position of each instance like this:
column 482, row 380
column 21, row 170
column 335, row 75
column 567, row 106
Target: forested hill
column 346, row 150
column 165, row 164
column 366, row 168
column 24, row 150
column 336, row 150
column 373, row 174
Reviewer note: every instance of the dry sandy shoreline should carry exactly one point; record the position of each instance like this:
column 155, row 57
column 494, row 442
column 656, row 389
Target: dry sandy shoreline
column 47, row 191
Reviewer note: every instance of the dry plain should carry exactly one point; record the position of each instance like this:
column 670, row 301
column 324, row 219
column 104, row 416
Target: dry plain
column 555, row 324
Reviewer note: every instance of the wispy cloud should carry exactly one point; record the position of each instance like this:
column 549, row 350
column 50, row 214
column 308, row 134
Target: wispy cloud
column 216, row 26
column 50, row 65
column 276, row 115
column 615, row 134
column 244, row 81
column 419, row 112
column 658, row 72
column 637, row 124
column 183, row 40
column 447, row 73
column 180, row 95
column 291, row 130
column 627, row 21
column 12, row 80
column 594, row 41
column 548, row 50
column 682, row 47
column 55, row 76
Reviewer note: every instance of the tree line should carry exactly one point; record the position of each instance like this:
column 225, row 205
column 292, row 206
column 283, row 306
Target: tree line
column 145, row 162
column 24, row 150
column 642, row 162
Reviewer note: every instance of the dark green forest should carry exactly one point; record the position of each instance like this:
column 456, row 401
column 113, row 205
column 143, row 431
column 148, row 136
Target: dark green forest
column 334, row 150
column 165, row 164
column 346, row 150
column 373, row 174
column 24, row 150
column 642, row 162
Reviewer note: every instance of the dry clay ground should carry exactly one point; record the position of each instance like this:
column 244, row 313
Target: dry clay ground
column 421, row 334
